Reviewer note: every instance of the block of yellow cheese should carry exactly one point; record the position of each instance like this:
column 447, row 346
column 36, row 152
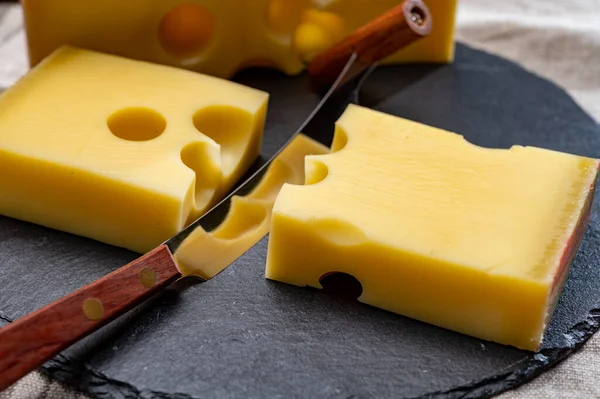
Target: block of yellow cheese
column 121, row 151
column 220, row 37
column 472, row 239
column 204, row 254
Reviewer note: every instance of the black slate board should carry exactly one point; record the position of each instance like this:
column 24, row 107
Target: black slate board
column 240, row 335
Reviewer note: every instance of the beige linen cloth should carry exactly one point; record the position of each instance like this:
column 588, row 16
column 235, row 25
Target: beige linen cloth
column 557, row 39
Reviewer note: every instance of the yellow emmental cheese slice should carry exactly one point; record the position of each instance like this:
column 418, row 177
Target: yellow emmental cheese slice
column 122, row 151
column 472, row 239
column 204, row 254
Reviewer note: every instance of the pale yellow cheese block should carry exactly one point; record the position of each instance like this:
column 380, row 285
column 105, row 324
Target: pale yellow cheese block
column 122, row 151
column 472, row 239
column 220, row 37
column 205, row 254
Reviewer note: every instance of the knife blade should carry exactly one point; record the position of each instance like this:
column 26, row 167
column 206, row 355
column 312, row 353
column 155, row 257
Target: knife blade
column 32, row 340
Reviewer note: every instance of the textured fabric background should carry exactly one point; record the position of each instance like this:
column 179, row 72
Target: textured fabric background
column 557, row 39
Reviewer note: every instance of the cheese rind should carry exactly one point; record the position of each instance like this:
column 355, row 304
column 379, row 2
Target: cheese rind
column 435, row 228
column 110, row 148
column 221, row 37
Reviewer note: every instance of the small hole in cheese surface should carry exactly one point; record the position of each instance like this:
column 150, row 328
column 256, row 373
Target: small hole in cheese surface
column 228, row 126
column 186, row 30
column 315, row 171
column 200, row 158
column 342, row 285
column 137, row 124
column 340, row 140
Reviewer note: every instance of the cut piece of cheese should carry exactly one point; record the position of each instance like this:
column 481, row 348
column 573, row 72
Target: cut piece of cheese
column 122, row 151
column 205, row 254
column 472, row 239
column 220, row 37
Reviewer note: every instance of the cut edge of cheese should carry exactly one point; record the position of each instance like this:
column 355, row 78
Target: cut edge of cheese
column 204, row 254
column 504, row 307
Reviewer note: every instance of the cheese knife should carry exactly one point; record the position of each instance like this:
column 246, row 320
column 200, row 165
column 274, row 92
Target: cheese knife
column 338, row 72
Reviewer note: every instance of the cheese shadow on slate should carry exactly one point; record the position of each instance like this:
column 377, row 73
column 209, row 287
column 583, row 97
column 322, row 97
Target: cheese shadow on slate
column 239, row 335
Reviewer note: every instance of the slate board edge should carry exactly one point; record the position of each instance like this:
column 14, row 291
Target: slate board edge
column 84, row 379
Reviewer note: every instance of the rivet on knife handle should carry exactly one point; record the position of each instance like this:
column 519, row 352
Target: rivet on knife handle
column 378, row 39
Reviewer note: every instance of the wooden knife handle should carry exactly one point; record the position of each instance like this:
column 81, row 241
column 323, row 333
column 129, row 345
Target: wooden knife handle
column 378, row 39
column 36, row 338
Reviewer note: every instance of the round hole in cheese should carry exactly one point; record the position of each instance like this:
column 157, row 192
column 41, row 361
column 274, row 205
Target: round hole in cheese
column 137, row 124
column 186, row 30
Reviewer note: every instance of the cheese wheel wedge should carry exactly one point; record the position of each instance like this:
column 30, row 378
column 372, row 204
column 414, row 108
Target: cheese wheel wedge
column 472, row 239
column 122, row 151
